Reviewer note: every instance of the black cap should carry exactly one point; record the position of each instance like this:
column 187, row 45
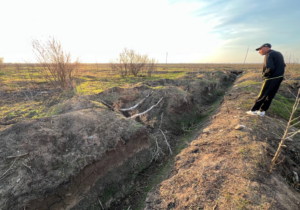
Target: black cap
column 264, row 45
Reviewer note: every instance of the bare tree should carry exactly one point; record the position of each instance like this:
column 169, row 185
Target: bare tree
column 117, row 66
column 131, row 62
column 151, row 67
column 124, row 60
column 55, row 64
column 137, row 62
column 121, row 64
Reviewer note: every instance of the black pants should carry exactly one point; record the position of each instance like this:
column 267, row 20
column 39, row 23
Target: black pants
column 267, row 93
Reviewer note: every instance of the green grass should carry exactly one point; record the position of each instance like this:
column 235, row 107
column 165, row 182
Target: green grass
column 287, row 101
column 282, row 106
column 93, row 78
column 108, row 194
column 160, row 87
column 95, row 86
column 249, row 83
column 247, row 104
column 55, row 110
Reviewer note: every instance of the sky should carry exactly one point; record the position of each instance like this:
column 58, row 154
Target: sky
column 190, row 31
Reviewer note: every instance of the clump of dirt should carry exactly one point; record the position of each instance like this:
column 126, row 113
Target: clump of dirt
column 227, row 166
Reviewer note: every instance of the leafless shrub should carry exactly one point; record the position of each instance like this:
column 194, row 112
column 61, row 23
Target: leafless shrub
column 137, row 63
column 287, row 134
column 55, row 64
column 117, row 67
column 134, row 63
column 121, row 64
column 151, row 67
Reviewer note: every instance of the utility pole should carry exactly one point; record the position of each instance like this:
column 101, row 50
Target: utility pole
column 167, row 58
column 246, row 55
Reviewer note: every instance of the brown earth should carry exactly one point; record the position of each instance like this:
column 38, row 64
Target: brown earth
column 63, row 156
column 225, row 168
column 87, row 154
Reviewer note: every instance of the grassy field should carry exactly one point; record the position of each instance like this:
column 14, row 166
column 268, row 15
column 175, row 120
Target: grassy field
column 93, row 78
column 25, row 94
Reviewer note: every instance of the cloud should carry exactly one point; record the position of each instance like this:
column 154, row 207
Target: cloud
column 264, row 18
column 250, row 23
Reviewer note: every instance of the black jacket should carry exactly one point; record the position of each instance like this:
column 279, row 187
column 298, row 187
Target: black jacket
column 273, row 65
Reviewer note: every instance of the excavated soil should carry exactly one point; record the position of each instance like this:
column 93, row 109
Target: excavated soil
column 51, row 162
column 89, row 153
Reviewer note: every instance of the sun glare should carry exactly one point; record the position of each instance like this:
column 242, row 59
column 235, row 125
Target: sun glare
column 100, row 30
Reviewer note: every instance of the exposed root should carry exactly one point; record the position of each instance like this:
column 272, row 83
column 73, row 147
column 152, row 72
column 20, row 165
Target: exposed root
column 100, row 204
column 136, row 115
column 156, row 153
column 166, row 141
column 17, row 156
column 29, row 167
column 8, row 169
column 135, row 106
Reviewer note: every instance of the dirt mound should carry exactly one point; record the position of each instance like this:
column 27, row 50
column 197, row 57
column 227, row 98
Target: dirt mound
column 184, row 102
column 51, row 162
column 74, row 104
column 228, row 168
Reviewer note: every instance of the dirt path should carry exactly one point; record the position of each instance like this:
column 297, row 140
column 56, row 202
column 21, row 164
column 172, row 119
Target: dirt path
column 227, row 167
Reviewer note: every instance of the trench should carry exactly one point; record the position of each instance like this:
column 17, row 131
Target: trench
column 148, row 180
column 128, row 173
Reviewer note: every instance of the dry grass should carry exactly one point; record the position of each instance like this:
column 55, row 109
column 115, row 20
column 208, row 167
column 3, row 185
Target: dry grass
column 93, row 78
column 228, row 168
column 24, row 93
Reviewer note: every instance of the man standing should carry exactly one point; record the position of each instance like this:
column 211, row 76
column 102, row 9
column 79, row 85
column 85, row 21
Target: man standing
column 273, row 70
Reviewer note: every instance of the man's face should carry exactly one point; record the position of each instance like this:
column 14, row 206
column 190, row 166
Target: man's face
column 263, row 50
